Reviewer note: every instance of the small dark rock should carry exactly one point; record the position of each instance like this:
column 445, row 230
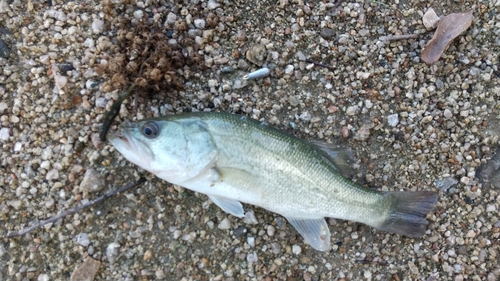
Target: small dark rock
column 240, row 231
column 4, row 50
column 65, row 67
column 327, row 33
column 4, row 30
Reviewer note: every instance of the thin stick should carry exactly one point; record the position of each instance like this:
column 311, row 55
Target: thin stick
column 112, row 113
column 398, row 37
column 321, row 64
column 74, row 210
column 339, row 2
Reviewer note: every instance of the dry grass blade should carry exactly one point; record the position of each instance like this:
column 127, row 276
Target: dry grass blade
column 449, row 28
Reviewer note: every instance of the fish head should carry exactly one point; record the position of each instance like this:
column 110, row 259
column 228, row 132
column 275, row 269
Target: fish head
column 173, row 150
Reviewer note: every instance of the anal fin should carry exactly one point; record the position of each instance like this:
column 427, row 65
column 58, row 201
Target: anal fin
column 314, row 231
column 230, row 206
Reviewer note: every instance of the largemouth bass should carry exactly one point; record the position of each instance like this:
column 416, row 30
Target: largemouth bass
column 235, row 159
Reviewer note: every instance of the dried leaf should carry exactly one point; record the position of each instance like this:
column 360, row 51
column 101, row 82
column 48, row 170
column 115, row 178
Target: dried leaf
column 449, row 28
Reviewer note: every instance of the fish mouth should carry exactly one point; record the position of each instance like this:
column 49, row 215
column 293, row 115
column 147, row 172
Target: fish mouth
column 130, row 147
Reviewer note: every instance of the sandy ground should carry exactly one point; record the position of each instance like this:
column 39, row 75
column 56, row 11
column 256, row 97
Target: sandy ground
column 412, row 126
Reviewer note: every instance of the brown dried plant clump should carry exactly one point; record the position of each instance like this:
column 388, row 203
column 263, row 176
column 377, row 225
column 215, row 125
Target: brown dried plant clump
column 140, row 53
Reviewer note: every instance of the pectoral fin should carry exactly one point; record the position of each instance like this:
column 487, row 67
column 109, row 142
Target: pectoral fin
column 314, row 231
column 230, row 206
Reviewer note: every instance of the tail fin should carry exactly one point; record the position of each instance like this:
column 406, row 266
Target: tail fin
column 408, row 212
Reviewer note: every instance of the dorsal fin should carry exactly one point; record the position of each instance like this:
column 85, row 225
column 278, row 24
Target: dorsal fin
column 342, row 157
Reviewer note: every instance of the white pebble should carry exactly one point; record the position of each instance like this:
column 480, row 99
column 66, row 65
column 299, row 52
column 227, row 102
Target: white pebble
column 139, row 14
column 18, row 146
column 212, row 4
column 368, row 104
column 351, row 110
column 430, row 19
column 89, row 43
column 4, row 134
column 60, row 81
column 296, row 249
column 72, row 30
column 270, row 230
column 393, row 120
column 3, row 107
column 47, row 153
column 171, row 19
column 250, row 217
column 45, row 164
column 289, row 69
column 490, row 208
column 465, row 180
column 101, row 102
column 224, row 224
column 200, row 23
column 97, row 26
column 252, row 257
column 447, row 113
column 251, row 241
column 52, row 175
column 362, row 75
column 91, row 181
column 112, row 251
column 43, row 277
column 83, row 239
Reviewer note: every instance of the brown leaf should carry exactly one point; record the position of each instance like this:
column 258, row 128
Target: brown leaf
column 449, row 28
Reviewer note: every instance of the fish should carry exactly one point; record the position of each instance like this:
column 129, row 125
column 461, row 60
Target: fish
column 235, row 159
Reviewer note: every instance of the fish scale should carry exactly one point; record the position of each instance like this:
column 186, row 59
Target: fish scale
column 235, row 159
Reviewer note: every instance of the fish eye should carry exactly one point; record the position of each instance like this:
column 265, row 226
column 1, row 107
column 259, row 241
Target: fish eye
column 151, row 130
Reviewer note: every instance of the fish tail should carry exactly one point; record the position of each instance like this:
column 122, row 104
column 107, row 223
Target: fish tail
column 407, row 213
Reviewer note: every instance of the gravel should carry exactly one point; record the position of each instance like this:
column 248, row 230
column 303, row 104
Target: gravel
column 334, row 76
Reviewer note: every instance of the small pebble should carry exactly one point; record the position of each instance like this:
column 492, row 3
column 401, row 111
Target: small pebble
column 4, row 134
column 112, row 251
column 327, row 33
column 139, row 14
column 212, row 5
column 240, row 231
column 250, row 217
column 251, row 241
column 92, row 181
column 252, row 257
column 60, row 81
column 296, row 249
column 86, row 271
column 270, row 230
column 224, row 224
column 97, row 26
column 52, row 175
column 83, row 239
column 430, row 19
column 3, row 107
column 43, row 277
column 393, row 120
column 147, row 255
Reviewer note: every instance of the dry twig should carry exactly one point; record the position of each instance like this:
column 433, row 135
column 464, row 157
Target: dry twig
column 73, row 211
